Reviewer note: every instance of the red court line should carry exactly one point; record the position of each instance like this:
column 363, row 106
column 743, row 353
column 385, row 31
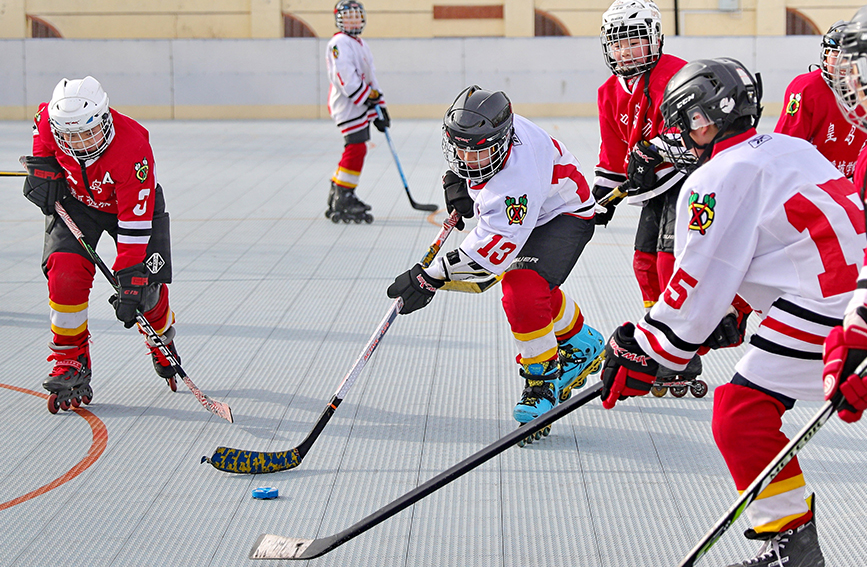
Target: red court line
column 97, row 446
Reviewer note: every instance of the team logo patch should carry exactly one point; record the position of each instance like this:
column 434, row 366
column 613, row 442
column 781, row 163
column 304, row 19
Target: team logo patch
column 155, row 263
column 701, row 212
column 794, row 104
column 516, row 209
column 335, row 52
column 141, row 170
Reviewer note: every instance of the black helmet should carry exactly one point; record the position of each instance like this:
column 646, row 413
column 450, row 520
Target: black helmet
column 478, row 120
column 831, row 49
column 346, row 8
column 705, row 92
column 849, row 79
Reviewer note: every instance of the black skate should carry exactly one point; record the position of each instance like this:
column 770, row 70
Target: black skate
column 162, row 365
column 69, row 380
column 792, row 548
column 343, row 205
column 680, row 382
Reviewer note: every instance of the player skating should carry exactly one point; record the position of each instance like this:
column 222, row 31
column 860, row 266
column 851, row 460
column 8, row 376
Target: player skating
column 811, row 111
column 760, row 216
column 535, row 214
column 86, row 150
column 353, row 97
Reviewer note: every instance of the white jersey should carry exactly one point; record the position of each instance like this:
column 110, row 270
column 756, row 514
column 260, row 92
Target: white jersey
column 770, row 219
column 539, row 180
column 352, row 75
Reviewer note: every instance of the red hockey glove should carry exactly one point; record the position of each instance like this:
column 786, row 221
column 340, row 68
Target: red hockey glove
column 845, row 348
column 415, row 287
column 627, row 370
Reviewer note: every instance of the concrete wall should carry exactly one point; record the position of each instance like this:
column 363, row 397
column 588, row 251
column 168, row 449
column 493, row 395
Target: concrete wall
column 285, row 78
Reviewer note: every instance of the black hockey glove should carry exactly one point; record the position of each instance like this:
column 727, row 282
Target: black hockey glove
column 627, row 371
column 731, row 331
column 132, row 282
column 415, row 287
column 384, row 122
column 458, row 197
column 641, row 170
column 599, row 193
column 374, row 98
column 45, row 183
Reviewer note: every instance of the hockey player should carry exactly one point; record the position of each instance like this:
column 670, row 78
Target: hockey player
column 846, row 346
column 535, row 214
column 768, row 217
column 100, row 165
column 811, row 111
column 353, row 97
column 630, row 160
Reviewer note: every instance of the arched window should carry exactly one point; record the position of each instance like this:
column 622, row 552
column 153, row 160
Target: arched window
column 799, row 24
column 41, row 28
column 295, row 27
column 548, row 25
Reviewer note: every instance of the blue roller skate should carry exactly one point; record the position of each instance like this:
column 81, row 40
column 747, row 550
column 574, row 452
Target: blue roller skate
column 539, row 395
column 580, row 356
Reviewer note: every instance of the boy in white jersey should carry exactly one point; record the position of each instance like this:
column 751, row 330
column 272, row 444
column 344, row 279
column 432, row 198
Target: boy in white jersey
column 353, row 97
column 535, row 214
column 769, row 218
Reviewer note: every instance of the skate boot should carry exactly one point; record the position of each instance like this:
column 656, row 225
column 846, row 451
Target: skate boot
column 162, row 365
column 580, row 356
column 798, row 547
column 343, row 205
column 680, row 382
column 69, row 380
column 539, row 395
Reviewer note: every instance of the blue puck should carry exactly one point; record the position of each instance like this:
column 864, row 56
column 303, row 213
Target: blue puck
column 265, row 493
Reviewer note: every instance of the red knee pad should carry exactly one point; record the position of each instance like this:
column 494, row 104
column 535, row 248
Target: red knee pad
column 70, row 277
column 644, row 266
column 353, row 156
column 526, row 300
column 746, row 428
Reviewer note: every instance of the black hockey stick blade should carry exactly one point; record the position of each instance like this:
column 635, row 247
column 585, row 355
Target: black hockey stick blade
column 762, row 481
column 429, row 207
column 270, row 546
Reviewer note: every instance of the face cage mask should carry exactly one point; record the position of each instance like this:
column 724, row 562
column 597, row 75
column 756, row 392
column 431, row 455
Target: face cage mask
column 849, row 82
column 472, row 170
column 828, row 70
column 353, row 15
column 92, row 143
column 678, row 152
column 641, row 39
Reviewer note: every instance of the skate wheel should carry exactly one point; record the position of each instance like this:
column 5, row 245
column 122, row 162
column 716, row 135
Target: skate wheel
column 368, row 219
column 546, row 431
column 76, row 402
column 53, row 406
column 173, row 384
column 328, row 214
column 658, row 391
column 537, row 435
column 64, row 405
column 335, row 218
column 679, row 391
column 699, row 389
column 346, row 220
column 86, row 399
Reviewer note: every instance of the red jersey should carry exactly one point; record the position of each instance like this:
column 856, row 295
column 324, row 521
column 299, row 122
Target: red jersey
column 811, row 113
column 121, row 181
column 626, row 116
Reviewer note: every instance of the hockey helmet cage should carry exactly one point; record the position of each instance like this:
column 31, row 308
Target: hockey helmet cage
column 705, row 92
column 631, row 37
column 350, row 17
column 831, row 50
column 80, row 118
column 477, row 133
column 849, row 79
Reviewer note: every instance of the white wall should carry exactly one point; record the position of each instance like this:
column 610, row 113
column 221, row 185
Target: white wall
column 285, row 78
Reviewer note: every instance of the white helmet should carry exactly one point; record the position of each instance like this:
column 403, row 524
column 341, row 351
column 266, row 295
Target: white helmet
column 350, row 17
column 631, row 23
column 80, row 118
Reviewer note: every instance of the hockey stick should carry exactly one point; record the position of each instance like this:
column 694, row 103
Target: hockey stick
column 255, row 462
column 270, row 546
column 13, row 174
column 765, row 477
column 417, row 206
column 472, row 286
column 216, row 408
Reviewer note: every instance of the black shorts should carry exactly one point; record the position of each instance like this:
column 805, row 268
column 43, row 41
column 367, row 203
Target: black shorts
column 655, row 231
column 553, row 248
column 93, row 223
column 357, row 137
